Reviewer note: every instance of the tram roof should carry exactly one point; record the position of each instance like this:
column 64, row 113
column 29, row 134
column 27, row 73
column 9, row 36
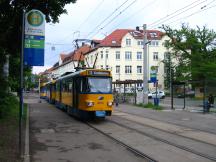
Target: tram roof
column 83, row 72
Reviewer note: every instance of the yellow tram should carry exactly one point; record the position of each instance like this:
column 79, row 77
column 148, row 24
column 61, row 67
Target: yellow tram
column 85, row 93
column 43, row 92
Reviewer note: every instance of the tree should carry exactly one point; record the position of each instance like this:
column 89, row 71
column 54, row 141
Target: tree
column 195, row 52
column 11, row 12
column 11, row 24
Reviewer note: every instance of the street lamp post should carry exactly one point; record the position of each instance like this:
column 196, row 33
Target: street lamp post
column 145, row 66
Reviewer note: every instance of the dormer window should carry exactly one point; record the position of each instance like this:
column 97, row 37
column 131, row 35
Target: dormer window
column 113, row 42
column 128, row 42
column 153, row 35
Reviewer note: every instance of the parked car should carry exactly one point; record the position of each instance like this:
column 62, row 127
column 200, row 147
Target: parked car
column 160, row 94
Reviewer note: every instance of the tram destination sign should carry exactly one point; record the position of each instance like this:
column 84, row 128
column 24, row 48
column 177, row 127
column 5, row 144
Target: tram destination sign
column 34, row 38
column 99, row 72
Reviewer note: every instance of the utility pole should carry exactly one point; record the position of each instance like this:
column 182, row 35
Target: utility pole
column 145, row 66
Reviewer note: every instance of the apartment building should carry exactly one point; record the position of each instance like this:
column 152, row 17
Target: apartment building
column 122, row 53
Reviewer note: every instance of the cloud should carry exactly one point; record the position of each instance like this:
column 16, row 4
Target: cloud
column 38, row 69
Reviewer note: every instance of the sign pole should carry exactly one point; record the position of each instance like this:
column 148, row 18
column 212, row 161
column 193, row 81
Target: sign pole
column 21, row 87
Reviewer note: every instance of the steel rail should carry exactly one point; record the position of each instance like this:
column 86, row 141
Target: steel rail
column 165, row 141
column 177, row 124
column 197, row 140
column 133, row 150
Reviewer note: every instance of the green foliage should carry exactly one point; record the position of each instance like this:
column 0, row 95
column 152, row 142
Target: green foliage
column 9, row 106
column 195, row 52
column 11, row 27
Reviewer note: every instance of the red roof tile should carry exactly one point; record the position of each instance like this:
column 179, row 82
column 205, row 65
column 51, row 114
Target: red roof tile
column 62, row 56
column 77, row 54
column 115, row 38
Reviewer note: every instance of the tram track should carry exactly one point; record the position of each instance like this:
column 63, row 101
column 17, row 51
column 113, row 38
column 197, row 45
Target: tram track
column 165, row 141
column 170, row 132
column 181, row 125
column 128, row 147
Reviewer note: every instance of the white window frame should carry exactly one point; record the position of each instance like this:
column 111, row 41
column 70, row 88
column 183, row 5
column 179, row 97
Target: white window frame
column 101, row 54
column 140, row 43
column 139, row 69
column 128, row 69
column 128, row 42
column 118, row 56
column 117, row 69
column 128, row 55
column 155, row 56
column 139, row 55
column 107, row 52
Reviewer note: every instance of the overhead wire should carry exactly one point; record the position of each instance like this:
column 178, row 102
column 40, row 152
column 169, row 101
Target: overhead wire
column 104, row 20
column 175, row 14
column 65, row 51
column 83, row 22
column 131, row 16
column 194, row 13
column 90, row 14
column 115, row 17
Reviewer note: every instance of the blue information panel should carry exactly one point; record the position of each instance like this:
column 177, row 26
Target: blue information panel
column 34, row 50
column 33, row 57
column 153, row 77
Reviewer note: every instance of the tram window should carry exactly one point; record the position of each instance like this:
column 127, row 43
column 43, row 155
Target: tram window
column 70, row 86
column 76, row 85
column 64, row 86
column 58, row 86
column 96, row 85
column 84, row 85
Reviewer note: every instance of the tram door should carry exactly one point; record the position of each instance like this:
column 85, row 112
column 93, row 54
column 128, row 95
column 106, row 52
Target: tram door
column 76, row 87
column 60, row 92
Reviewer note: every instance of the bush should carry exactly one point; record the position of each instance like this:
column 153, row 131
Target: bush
column 150, row 106
column 8, row 106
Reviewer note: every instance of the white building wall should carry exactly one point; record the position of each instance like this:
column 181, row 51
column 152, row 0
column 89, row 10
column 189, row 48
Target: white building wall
column 69, row 67
column 112, row 62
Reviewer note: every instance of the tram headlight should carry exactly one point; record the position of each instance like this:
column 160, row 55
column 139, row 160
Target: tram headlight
column 110, row 103
column 89, row 103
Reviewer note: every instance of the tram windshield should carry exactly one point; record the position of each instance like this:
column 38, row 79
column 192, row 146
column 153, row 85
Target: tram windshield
column 97, row 85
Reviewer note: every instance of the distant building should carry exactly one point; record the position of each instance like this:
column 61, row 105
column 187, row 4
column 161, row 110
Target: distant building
column 68, row 62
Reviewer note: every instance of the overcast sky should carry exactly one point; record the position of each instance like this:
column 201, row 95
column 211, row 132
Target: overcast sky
column 98, row 18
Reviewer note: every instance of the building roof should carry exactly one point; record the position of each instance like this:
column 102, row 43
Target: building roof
column 62, row 56
column 47, row 71
column 78, row 54
column 115, row 38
